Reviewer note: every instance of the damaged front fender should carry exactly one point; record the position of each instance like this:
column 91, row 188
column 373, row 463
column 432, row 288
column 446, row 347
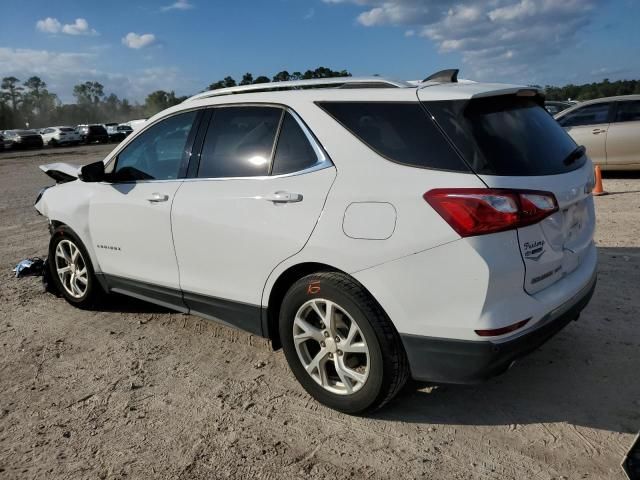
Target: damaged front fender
column 61, row 172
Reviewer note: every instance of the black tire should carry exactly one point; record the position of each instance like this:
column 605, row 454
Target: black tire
column 53, row 142
column 388, row 366
column 93, row 293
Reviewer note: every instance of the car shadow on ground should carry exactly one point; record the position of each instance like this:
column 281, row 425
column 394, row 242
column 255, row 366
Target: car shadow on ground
column 586, row 376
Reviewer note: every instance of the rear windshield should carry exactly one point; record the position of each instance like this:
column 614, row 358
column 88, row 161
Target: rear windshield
column 97, row 129
column 400, row 132
column 506, row 135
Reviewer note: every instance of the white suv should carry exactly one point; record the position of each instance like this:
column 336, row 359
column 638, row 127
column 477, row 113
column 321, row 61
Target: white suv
column 375, row 230
column 54, row 136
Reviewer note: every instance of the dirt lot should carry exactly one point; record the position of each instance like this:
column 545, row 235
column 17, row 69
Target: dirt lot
column 137, row 391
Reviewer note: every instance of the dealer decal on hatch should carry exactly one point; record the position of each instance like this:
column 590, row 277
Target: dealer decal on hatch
column 534, row 250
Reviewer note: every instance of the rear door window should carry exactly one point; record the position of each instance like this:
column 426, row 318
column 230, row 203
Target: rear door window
column 506, row 135
column 239, row 142
column 400, row 132
column 594, row 114
column 293, row 152
column 628, row 111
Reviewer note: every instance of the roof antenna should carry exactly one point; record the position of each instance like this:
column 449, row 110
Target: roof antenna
column 444, row 76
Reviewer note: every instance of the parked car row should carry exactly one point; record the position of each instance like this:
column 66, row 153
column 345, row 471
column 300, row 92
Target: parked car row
column 22, row 139
column 64, row 135
column 556, row 106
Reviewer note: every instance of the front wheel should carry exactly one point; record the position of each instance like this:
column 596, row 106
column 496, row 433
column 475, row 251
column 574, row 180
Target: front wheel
column 71, row 269
column 340, row 344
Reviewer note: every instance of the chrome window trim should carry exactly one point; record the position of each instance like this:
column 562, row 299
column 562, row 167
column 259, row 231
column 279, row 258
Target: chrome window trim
column 323, row 158
column 314, row 168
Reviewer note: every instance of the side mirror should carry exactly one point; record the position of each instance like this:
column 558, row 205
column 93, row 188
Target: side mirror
column 94, row 172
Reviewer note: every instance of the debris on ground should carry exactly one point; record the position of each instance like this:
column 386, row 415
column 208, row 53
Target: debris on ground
column 30, row 267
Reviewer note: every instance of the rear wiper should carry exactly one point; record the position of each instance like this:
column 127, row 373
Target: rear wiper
column 577, row 153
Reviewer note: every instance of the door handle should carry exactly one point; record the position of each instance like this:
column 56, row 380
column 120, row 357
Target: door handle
column 283, row 197
column 596, row 131
column 158, row 197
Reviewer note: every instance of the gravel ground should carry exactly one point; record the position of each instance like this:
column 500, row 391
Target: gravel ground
column 137, row 391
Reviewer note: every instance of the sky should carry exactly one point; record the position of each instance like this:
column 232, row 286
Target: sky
column 137, row 46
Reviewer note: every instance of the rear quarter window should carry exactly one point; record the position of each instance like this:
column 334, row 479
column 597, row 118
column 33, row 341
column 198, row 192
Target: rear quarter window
column 400, row 132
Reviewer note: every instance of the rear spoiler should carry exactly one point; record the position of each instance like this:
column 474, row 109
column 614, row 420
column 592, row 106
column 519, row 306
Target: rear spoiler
column 61, row 172
column 517, row 91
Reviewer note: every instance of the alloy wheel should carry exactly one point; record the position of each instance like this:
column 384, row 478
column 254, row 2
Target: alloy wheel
column 71, row 269
column 331, row 346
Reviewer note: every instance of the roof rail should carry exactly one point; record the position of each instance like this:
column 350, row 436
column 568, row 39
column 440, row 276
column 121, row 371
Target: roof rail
column 337, row 82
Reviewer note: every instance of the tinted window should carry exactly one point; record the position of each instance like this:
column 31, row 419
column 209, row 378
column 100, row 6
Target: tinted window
column 587, row 115
column 506, row 135
column 158, row 153
column 239, row 142
column 97, row 130
column 66, row 129
column 294, row 152
column 402, row 132
column 628, row 111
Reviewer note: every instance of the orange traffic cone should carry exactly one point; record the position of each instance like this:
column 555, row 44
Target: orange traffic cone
column 597, row 189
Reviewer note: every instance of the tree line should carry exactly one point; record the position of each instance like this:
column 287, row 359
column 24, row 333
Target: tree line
column 590, row 91
column 283, row 76
column 30, row 103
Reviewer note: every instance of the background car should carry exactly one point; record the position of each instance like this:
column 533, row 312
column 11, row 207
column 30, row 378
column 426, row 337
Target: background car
column 609, row 128
column 115, row 135
column 555, row 106
column 23, row 139
column 60, row 136
column 93, row 134
column 126, row 129
column 136, row 124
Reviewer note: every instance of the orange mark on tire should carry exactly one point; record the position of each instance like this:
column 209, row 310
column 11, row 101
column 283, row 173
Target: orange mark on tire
column 313, row 287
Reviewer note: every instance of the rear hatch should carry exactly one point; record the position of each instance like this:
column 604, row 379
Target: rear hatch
column 511, row 142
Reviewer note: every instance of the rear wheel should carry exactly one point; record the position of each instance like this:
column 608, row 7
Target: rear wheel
column 340, row 345
column 71, row 269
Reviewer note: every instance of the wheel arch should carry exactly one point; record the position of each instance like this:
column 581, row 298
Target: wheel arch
column 280, row 287
column 86, row 243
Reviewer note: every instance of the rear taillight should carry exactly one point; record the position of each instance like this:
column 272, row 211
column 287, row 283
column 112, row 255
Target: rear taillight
column 478, row 211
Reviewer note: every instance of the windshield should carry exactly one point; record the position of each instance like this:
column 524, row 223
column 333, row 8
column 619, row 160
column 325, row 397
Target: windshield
column 506, row 135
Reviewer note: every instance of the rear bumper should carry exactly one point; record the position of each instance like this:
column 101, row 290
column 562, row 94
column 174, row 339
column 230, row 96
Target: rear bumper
column 464, row 361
